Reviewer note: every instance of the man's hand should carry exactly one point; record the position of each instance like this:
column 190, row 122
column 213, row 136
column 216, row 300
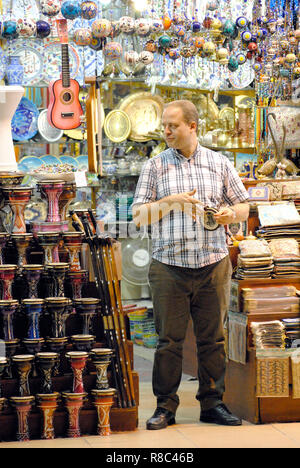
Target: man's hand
column 225, row 216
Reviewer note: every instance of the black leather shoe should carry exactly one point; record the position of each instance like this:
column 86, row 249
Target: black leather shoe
column 220, row 415
column 160, row 419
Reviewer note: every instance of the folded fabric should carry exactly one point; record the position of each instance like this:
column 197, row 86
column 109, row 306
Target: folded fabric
column 254, row 248
column 284, row 247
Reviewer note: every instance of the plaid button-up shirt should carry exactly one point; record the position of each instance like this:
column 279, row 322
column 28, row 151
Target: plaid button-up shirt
column 177, row 239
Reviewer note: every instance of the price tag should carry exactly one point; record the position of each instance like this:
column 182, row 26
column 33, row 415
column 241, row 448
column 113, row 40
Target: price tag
column 80, row 179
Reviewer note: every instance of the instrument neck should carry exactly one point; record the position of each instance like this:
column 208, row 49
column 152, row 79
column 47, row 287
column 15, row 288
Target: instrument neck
column 65, row 68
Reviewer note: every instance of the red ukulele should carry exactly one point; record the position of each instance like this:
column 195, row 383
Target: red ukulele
column 64, row 109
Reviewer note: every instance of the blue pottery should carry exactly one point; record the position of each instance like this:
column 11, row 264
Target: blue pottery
column 43, row 29
column 33, row 309
column 9, row 29
column 88, row 10
column 70, row 9
column 15, row 71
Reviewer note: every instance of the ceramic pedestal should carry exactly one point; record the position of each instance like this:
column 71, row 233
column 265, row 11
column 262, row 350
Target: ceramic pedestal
column 23, row 364
column 22, row 406
column 17, row 198
column 103, row 401
column 7, row 276
column 86, row 308
column 22, row 242
column 32, row 274
column 77, row 361
column 47, row 404
column 101, row 358
column 59, row 309
column 45, row 363
column 74, row 402
column 7, row 309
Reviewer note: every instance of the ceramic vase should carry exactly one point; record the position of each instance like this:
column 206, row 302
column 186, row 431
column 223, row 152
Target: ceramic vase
column 77, row 361
column 14, row 71
column 74, row 403
column 101, row 358
column 46, row 362
column 47, row 403
column 23, row 364
column 103, row 401
column 86, row 307
column 7, row 309
column 59, row 309
column 17, row 199
column 22, row 406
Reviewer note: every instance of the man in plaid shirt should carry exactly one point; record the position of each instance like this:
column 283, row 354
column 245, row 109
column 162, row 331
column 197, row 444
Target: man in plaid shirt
column 190, row 272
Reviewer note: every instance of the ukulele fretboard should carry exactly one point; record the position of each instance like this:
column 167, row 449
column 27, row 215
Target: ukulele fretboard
column 65, row 69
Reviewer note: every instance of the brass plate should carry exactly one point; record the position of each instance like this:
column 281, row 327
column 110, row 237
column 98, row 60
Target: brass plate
column 244, row 102
column 77, row 133
column 144, row 111
column 227, row 113
column 206, row 107
column 117, row 126
column 158, row 149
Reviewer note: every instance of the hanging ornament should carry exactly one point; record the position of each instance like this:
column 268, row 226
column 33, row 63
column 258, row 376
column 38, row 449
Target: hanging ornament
column 142, row 27
column 127, row 24
column 26, row 27
column 156, row 26
column 174, row 43
column 257, row 67
column 146, row 57
column 82, row 36
column 151, row 46
column 186, row 52
column 222, row 56
column 50, row 7
column 9, row 30
column 115, row 28
column 164, row 41
column 271, row 25
column 290, row 58
column 96, row 43
column 212, row 5
column 241, row 22
column 252, row 47
column 207, row 22
column 131, row 57
column 196, row 26
column 233, row 64
column 113, row 50
column 88, row 10
column 241, row 58
column 101, row 28
column 167, row 22
column 229, row 29
column 43, row 29
column 246, row 36
column 199, row 42
column 174, row 54
column 70, row 9
column 209, row 48
column 179, row 30
column 262, row 33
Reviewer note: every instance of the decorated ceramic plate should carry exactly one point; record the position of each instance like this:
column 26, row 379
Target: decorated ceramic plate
column 69, row 160
column 3, row 63
column 30, row 52
column 49, row 159
column 24, row 122
column 52, row 61
column 83, row 162
column 242, row 77
column 29, row 163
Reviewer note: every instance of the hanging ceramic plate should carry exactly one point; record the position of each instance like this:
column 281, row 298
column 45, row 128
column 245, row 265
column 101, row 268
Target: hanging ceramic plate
column 117, row 126
column 227, row 113
column 3, row 63
column 83, row 162
column 30, row 52
column 48, row 159
column 242, row 77
column 47, row 132
column 52, row 61
column 144, row 111
column 24, row 121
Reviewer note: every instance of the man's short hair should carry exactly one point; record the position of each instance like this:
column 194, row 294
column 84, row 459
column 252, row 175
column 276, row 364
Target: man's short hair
column 189, row 110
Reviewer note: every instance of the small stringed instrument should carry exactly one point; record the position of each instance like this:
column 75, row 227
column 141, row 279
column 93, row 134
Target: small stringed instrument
column 64, row 110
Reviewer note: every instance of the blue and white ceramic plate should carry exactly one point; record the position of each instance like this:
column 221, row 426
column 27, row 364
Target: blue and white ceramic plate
column 69, row 160
column 28, row 163
column 52, row 60
column 3, row 63
column 30, row 52
column 49, row 160
column 83, row 162
column 25, row 119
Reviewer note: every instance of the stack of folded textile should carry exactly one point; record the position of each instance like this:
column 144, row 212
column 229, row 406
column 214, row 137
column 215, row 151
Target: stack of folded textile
column 292, row 331
column 268, row 334
column 273, row 299
column 286, row 257
column 254, row 260
column 279, row 221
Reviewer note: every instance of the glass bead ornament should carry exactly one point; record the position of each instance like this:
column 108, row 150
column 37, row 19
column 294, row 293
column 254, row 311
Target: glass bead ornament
column 50, row 7
column 233, row 64
column 127, row 24
column 101, row 28
column 146, row 57
column 209, row 48
column 167, row 22
column 156, row 26
column 257, row 66
column 229, row 29
column 82, row 36
column 113, row 50
column 241, row 58
column 222, row 55
column 9, row 29
column 196, row 26
column 142, row 27
column 26, row 27
column 199, row 42
column 246, row 36
column 88, row 10
column 43, row 29
column 70, row 9
column 179, row 30
column 174, row 54
column 151, row 46
column 164, row 41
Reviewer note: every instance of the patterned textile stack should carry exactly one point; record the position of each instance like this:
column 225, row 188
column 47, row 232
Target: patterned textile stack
column 268, row 334
column 286, row 257
column 273, row 299
column 254, row 260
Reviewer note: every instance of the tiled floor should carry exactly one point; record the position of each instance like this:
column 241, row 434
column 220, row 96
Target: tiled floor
column 187, row 433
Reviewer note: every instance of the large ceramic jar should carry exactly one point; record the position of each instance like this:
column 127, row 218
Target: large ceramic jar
column 14, row 71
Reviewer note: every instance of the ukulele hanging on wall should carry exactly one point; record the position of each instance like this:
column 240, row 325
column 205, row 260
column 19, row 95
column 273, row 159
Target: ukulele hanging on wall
column 64, row 111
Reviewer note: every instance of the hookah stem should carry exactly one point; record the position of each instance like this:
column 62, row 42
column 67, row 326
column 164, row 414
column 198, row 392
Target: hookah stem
column 107, row 322
column 109, row 259
column 118, row 328
column 115, row 332
column 115, row 282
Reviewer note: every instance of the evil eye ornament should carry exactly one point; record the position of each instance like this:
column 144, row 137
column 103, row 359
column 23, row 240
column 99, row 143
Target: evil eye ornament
column 70, row 9
column 241, row 59
column 43, row 29
column 257, row 67
column 88, row 10
column 146, row 57
column 246, row 36
column 96, row 43
column 262, row 33
column 50, row 7
column 26, row 27
column 241, row 22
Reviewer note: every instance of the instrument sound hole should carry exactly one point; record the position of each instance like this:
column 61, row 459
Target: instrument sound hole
column 67, row 97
